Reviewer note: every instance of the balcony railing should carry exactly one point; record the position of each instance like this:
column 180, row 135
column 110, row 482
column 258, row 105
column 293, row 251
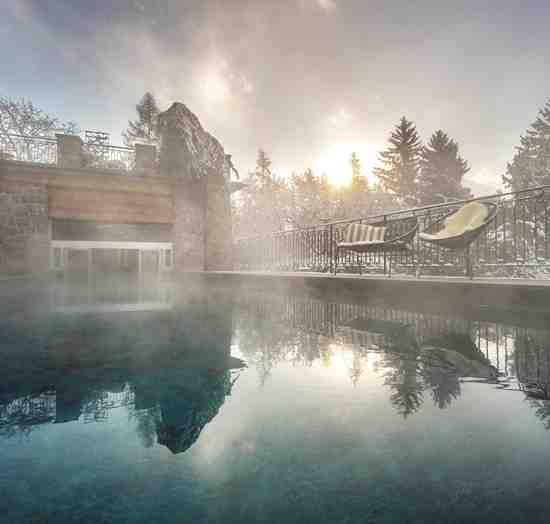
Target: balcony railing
column 38, row 149
column 105, row 156
column 516, row 243
column 51, row 151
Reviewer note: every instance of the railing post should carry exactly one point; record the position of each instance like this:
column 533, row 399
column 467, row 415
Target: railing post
column 145, row 158
column 69, row 151
column 331, row 247
column 385, row 222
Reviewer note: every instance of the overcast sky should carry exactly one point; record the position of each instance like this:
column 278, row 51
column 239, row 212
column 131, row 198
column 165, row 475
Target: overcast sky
column 309, row 81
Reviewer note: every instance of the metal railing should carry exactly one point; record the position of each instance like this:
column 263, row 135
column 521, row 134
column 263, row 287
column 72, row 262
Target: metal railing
column 44, row 150
column 516, row 242
column 520, row 355
column 38, row 149
column 105, row 156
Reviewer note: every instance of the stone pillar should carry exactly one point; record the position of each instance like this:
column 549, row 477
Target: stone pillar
column 202, row 228
column 218, row 249
column 69, row 151
column 145, row 158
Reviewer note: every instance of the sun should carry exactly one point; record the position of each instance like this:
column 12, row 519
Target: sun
column 214, row 87
column 334, row 162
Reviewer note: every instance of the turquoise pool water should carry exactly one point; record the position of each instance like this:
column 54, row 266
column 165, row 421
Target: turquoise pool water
column 141, row 403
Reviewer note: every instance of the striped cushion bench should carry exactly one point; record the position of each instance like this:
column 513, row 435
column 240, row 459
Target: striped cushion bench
column 360, row 234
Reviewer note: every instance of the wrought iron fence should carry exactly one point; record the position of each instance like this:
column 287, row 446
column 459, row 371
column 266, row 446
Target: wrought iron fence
column 105, row 156
column 44, row 150
column 515, row 243
column 515, row 351
column 38, row 149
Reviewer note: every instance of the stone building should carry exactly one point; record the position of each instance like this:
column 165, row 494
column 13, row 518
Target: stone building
column 157, row 214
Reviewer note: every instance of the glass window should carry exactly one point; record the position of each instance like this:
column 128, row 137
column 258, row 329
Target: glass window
column 57, row 257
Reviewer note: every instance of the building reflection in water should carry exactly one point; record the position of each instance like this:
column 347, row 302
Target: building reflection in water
column 168, row 363
column 166, row 356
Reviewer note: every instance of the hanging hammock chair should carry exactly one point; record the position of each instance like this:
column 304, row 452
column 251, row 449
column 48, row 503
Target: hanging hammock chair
column 459, row 229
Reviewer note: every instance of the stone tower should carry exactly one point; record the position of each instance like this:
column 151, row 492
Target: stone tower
column 198, row 163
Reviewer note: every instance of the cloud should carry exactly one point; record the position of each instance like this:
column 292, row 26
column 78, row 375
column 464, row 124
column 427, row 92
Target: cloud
column 325, row 5
column 341, row 118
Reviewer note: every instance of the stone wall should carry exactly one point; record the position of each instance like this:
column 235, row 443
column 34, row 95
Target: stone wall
column 188, row 203
column 189, row 225
column 24, row 230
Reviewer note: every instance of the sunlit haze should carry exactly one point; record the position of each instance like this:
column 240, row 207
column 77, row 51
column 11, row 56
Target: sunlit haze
column 334, row 161
column 308, row 81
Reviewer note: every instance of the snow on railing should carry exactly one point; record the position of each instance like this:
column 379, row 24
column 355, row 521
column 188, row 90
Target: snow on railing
column 514, row 243
column 38, row 149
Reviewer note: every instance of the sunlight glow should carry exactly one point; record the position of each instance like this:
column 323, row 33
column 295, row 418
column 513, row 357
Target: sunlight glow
column 335, row 163
column 214, row 87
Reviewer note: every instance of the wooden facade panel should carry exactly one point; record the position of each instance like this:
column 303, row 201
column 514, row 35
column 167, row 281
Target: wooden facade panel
column 110, row 206
column 123, row 183
column 92, row 195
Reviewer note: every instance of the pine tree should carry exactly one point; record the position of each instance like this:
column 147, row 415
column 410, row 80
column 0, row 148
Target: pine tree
column 358, row 203
column 355, row 168
column 307, row 199
column 441, row 171
column 265, row 205
column 400, row 162
column 144, row 129
column 359, row 182
column 531, row 163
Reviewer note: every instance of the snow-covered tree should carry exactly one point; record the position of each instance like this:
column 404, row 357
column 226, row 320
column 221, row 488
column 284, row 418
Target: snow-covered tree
column 144, row 130
column 264, row 205
column 400, row 162
column 531, row 163
column 21, row 117
column 442, row 171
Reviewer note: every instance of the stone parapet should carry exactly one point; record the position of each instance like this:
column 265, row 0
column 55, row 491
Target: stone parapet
column 146, row 156
column 69, row 151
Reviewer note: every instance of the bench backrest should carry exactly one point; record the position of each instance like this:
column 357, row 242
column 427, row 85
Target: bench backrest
column 364, row 233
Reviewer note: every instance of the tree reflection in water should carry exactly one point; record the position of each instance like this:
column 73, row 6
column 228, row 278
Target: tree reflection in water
column 173, row 390
column 420, row 356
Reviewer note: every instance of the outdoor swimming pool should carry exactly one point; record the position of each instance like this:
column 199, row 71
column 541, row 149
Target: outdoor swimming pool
column 151, row 403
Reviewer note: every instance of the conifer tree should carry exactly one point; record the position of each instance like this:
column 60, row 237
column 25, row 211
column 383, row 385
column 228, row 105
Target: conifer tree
column 358, row 203
column 359, row 182
column 400, row 162
column 531, row 163
column 143, row 130
column 442, row 171
column 264, row 206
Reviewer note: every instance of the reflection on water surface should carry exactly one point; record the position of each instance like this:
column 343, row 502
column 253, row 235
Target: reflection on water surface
column 141, row 401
